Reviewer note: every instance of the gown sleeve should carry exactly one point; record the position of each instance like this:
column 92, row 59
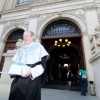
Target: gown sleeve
column 38, row 69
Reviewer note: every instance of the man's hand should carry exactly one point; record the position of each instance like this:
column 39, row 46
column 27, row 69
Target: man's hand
column 26, row 75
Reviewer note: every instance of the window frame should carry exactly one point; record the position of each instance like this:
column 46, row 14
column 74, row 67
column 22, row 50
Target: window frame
column 24, row 2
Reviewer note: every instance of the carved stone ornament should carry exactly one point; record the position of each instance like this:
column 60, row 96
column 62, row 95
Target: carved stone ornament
column 2, row 21
column 95, row 41
column 77, row 12
column 90, row 7
column 23, row 22
column 99, row 17
column 97, row 35
column 97, row 29
column 19, row 43
column 34, row 15
column 80, row 13
column 43, row 17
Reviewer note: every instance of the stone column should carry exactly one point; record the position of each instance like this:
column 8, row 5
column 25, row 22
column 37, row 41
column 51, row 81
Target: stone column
column 95, row 58
column 95, row 61
column 33, row 24
column 87, row 53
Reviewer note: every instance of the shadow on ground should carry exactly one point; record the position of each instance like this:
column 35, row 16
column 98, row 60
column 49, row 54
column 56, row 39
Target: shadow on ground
column 62, row 86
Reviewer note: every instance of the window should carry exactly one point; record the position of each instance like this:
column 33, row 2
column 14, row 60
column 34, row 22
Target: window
column 23, row 1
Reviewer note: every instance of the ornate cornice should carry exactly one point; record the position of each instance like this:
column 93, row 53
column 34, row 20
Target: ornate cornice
column 40, row 2
column 90, row 7
column 33, row 15
column 65, row 2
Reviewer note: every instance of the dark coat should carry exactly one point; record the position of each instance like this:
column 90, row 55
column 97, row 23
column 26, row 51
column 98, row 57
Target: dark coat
column 26, row 88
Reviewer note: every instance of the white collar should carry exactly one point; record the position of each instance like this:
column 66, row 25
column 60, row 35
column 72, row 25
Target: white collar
column 29, row 44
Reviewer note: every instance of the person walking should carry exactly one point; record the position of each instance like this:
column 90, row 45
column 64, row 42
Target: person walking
column 32, row 54
column 83, row 81
column 69, row 77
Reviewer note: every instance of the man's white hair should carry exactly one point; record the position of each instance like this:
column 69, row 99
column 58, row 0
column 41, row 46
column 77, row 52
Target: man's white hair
column 32, row 34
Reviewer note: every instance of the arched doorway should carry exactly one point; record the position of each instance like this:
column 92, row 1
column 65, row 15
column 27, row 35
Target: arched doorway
column 55, row 39
column 10, row 43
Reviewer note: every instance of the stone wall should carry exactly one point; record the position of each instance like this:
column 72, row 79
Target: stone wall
column 95, row 58
column 5, row 80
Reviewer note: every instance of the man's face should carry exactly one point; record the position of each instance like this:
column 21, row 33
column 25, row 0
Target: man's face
column 28, row 39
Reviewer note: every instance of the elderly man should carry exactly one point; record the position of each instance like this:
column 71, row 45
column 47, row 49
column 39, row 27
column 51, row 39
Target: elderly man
column 28, row 86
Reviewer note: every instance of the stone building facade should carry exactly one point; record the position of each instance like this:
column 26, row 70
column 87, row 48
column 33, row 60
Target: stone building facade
column 36, row 15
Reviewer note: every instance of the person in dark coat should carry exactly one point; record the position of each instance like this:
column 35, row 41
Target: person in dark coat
column 69, row 77
column 28, row 85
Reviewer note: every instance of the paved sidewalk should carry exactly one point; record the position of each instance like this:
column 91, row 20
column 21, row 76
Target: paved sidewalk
column 54, row 94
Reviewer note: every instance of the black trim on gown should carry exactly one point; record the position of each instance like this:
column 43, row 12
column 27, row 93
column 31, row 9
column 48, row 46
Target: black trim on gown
column 26, row 88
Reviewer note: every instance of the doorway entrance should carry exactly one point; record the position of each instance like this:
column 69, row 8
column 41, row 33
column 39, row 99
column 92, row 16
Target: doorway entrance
column 62, row 39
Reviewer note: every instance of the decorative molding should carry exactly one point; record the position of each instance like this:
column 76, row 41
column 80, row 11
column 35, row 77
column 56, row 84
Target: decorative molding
column 95, row 41
column 80, row 13
column 16, row 23
column 34, row 15
column 59, row 14
column 90, row 7
column 99, row 18
column 40, row 2
column 43, row 17
column 65, row 2
column 77, row 12
column 2, row 21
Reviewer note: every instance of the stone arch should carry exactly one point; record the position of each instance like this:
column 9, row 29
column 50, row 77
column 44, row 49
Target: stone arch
column 4, row 41
column 50, row 48
column 10, row 30
column 71, row 18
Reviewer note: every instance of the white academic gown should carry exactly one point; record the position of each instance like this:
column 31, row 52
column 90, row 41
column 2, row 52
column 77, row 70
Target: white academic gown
column 29, row 88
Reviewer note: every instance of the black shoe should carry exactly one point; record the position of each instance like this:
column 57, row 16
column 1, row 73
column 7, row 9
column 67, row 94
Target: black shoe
column 81, row 94
column 84, row 94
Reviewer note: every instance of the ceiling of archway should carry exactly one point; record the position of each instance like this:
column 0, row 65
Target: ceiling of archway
column 68, row 53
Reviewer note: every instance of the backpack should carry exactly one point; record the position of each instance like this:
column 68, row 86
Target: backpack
column 79, row 77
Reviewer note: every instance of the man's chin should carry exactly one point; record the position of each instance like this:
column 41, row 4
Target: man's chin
column 27, row 43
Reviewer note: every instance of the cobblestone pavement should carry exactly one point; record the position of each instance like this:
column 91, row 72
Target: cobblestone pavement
column 54, row 94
